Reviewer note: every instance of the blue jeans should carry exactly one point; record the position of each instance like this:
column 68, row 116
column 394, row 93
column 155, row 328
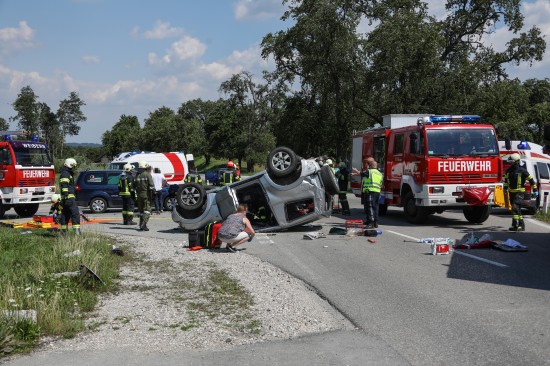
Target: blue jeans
column 158, row 201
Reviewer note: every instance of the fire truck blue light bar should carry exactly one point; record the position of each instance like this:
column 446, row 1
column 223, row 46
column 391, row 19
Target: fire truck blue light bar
column 447, row 119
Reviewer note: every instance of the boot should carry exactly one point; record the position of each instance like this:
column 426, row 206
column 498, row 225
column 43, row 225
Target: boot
column 521, row 225
column 514, row 226
column 131, row 220
column 140, row 223
column 124, row 219
column 375, row 224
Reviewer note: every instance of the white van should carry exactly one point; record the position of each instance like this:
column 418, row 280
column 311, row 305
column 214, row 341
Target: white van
column 173, row 165
column 538, row 166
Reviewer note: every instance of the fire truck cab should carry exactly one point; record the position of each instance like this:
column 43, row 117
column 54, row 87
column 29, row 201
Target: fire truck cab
column 427, row 164
column 27, row 174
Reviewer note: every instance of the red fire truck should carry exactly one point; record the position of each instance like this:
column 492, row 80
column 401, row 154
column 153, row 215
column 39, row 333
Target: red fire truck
column 430, row 164
column 27, row 174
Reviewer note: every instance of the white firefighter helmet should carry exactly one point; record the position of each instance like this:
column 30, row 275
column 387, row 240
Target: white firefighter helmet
column 70, row 163
column 128, row 167
column 143, row 164
column 55, row 197
column 514, row 158
column 329, row 162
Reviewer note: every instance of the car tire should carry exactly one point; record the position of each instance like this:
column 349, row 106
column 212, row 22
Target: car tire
column 329, row 180
column 282, row 162
column 98, row 205
column 26, row 210
column 2, row 210
column 415, row 214
column 168, row 203
column 191, row 196
column 477, row 214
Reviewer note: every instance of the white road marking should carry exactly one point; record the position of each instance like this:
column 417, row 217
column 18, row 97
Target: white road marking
column 262, row 238
column 454, row 251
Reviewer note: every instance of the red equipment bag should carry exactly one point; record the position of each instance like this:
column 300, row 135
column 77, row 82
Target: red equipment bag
column 211, row 235
column 476, row 196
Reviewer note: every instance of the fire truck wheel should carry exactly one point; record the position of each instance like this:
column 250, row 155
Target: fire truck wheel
column 415, row 214
column 2, row 210
column 281, row 162
column 190, row 196
column 26, row 210
column 477, row 214
column 329, row 180
column 382, row 209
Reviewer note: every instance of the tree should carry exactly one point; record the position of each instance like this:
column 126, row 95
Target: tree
column 252, row 137
column 28, row 111
column 69, row 114
column 124, row 136
column 4, row 125
column 51, row 130
column 159, row 131
column 193, row 116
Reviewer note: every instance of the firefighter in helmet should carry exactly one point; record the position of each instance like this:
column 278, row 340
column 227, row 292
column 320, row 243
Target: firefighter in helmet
column 193, row 176
column 229, row 175
column 145, row 188
column 67, row 185
column 56, row 209
column 514, row 182
column 127, row 192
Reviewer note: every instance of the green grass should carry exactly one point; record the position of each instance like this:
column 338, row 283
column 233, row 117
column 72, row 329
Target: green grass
column 543, row 216
column 28, row 264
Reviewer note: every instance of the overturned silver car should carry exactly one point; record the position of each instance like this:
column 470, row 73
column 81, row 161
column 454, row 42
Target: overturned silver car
column 292, row 191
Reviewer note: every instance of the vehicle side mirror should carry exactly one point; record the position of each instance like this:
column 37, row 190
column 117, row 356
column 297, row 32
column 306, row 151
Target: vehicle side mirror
column 4, row 156
column 546, row 149
column 508, row 143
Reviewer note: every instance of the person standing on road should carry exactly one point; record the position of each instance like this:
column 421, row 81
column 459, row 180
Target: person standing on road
column 159, row 182
column 236, row 229
column 342, row 174
column 229, row 175
column 371, row 184
column 145, row 189
column 514, row 182
column 193, row 177
column 127, row 192
column 70, row 210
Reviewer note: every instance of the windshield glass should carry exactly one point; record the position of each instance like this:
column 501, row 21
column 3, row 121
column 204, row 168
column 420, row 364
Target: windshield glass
column 457, row 141
column 116, row 166
column 31, row 154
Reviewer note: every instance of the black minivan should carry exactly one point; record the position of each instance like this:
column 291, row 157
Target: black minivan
column 98, row 190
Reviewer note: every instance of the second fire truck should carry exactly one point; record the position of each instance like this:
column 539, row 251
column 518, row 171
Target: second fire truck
column 428, row 165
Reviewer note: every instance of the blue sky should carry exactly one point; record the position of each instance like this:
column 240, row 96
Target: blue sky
column 132, row 57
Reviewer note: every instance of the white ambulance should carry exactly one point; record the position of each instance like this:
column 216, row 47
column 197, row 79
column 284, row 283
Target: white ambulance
column 538, row 166
column 173, row 165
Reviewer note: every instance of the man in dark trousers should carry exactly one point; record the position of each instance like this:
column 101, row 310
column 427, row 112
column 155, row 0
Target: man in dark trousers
column 371, row 184
column 68, row 199
column 127, row 192
column 343, row 180
column 145, row 189
column 514, row 182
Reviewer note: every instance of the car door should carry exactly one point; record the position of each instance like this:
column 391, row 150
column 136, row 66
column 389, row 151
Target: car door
column 112, row 188
column 227, row 202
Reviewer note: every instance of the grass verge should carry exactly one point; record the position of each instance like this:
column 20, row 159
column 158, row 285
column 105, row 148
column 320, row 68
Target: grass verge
column 43, row 291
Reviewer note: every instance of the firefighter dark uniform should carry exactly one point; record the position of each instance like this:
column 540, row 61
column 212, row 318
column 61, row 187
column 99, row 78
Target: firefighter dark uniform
column 193, row 178
column 68, row 198
column 343, row 180
column 128, row 194
column 56, row 210
column 145, row 188
column 514, row 182
column 228, row 176
column 370, row 189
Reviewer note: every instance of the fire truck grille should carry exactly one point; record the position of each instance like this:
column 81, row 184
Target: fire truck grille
column 35, row 182
column 455, row 178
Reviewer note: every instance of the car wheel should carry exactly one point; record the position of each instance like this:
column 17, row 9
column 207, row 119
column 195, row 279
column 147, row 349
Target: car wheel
column 191, row 196
column 26, row 210
column 2, row 210
column 477, row 214
column 329, row 180
column 168, row 203
column 98, row 205
column 282, row 162
column 415, row 214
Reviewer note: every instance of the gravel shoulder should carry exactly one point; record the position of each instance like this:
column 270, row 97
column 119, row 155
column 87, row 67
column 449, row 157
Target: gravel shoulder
column 168, row 301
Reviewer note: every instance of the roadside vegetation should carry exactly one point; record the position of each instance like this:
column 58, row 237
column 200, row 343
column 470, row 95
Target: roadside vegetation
column 43, row 290
column 543, row 216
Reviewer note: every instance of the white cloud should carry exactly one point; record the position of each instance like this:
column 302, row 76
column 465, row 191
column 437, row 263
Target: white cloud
column 219, row 71
column 187, row 48
column 257, row 9
column 89, row 59
column 162, row 30
column 16, row 38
